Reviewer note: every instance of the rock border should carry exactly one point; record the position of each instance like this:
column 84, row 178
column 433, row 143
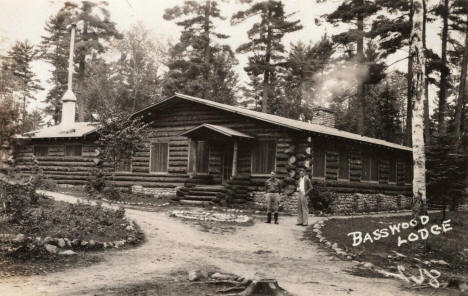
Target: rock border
column 53, row 245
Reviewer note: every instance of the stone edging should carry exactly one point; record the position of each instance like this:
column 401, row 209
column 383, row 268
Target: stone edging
column 54, row 244
column 132, row 203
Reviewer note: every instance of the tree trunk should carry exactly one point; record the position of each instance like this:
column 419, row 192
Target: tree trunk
column 206, row 73
column 81, row 77
column 409, row 80
column 427, row 133
column 267, row 74
column 360, row 87
column 461, row 89
column 443, row 70
column 419, row 75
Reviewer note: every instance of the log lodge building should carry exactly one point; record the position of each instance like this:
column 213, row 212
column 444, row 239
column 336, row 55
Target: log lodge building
column 209, row 151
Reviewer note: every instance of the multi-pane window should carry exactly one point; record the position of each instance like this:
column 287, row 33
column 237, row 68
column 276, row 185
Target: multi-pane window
column 159, row 157
column 201, row 154
column 370, row 168
column 263, row 157
column 73, row 150
column 343, row 172
column 41, row 150
column 319, row 162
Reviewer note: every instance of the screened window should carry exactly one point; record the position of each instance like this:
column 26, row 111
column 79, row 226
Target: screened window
column 319, row 162
column 41, row 150
column 392, row 176
column 159, row 157
column 201, row 154
column 343, row 172
column 73, row 150
column 263, row 157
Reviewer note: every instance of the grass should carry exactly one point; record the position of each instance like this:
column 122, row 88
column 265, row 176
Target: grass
column 450, row 246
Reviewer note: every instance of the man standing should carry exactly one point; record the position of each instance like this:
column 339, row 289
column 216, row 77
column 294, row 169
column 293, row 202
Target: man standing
column 304, row 188
column 273, row 189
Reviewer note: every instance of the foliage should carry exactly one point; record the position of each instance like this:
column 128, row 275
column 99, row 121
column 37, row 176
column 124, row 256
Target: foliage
column 320, row 199
column 265, row 48
column 446, row 173
column 199, row 64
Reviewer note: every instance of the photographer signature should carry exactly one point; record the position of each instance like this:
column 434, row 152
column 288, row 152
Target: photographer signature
column 431, row 276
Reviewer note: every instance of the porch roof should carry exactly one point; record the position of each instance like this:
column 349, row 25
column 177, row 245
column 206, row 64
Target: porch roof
column 225, row 131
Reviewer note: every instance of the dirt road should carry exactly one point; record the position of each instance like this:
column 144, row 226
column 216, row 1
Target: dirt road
column 299, row 266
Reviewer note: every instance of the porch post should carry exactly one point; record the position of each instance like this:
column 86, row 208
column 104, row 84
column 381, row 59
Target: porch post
column 195, row 147
column 234, row 159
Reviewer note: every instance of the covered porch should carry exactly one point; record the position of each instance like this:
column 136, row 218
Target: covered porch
column 214, row 152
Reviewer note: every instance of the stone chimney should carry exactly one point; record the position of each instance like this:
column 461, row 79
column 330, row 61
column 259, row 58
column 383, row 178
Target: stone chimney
column 323, row 116
column 69, row 98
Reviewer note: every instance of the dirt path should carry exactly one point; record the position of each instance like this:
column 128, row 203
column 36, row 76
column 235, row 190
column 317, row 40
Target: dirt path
column 299, row 266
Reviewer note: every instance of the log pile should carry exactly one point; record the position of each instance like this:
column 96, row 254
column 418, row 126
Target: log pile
column 238, row 189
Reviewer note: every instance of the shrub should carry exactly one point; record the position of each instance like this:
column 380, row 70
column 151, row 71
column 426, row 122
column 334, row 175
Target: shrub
column 321, row 199
column 14, row 198
column 111, row 193
column 96, row 181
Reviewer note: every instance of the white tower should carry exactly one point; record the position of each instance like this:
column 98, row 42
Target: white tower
column 69, row 98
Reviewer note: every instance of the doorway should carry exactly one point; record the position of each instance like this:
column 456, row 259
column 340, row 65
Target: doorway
column 227, row 162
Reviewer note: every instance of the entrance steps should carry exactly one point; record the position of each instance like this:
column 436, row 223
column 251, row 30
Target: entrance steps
column 201, row 194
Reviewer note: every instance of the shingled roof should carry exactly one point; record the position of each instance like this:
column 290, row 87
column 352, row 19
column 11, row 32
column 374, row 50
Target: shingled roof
column 277, row 120
column 79, row 129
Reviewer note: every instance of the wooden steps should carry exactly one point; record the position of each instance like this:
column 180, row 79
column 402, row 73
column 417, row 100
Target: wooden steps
column 202, row 194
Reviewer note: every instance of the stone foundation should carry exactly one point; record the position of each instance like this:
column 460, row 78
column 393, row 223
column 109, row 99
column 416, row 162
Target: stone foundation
column 344, row 203
column 287, row 203
column 361, row 203
column 156, row 192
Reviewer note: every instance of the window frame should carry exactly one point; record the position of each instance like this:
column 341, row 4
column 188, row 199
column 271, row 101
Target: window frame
column 34, row 150
column 324, row 165
column 190, row 171
column 395, row 160
column 374, row 159
column 167, row 164
column 339, row 166
column 274, row 159
column 69, row 145
column 408, row 163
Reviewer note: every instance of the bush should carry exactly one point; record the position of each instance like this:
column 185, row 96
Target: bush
column 321, row 199
column 96, row 181
column 111, row 193
column 15, row 199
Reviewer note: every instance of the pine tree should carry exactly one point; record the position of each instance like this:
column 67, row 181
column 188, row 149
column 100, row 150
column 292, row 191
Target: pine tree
column 304, row 70
column 94, row 32
column 265, row 46
column 354, row 12
column 21, row 55
column 55, row 50
column 199, row 65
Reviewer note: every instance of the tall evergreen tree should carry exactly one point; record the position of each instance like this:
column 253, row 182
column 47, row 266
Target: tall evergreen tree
column 55, row 51
column 265, row 43
column 304, row 70
column 94, row 32
column 199, row 65
column 354, row 12
column 21, row 56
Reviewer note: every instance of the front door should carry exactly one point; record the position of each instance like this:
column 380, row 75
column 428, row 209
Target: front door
column 227, row 162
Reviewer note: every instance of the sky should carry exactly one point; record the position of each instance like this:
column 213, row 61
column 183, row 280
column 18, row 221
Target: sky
column 25, row 19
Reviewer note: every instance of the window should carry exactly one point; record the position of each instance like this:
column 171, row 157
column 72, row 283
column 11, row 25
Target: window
column 408, row 172
column 73, row 150
column 370, row 168
column 159, row 157
column 392, row 176
column 319, row 162
column 123, row 162
column 41, row 150
column 365, row 168
column 374, row 169
column 263, row 157
column 343, row 172
column 202, row 156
